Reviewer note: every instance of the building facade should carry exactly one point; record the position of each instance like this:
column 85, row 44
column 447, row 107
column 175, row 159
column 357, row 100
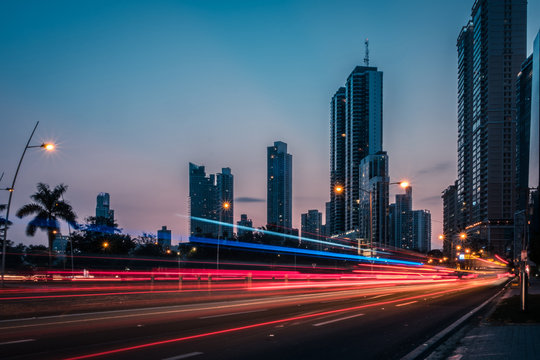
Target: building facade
column 450, row 218
column 104, row 214
column 402, row 220
column 202, row 202
column 164, row 237
column 244, row 223
column 491, row 48
column 336, row 217
column 225, row 203
column 279, row 187
column 421, row 230
column 363, row 132
column 374, row 182
column 355, row 132
column 311, row 226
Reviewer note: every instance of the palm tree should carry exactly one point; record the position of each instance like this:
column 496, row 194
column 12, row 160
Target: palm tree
column 48, row 207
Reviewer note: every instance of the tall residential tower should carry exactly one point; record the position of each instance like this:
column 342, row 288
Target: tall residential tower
column 279, row 187
column 491, row 48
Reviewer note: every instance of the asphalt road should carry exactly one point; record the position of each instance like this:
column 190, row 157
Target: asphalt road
column 382, row 323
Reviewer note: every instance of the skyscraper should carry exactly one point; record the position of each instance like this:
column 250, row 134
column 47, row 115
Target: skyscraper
column 279, row 187
column 402, row 220
column 491, row 48
column 450, row 218
column 356, row 131
column 465, row 111
column 421, row 230
column 104, row 214
column 203, row 202
column 374, row 178
column 363, row 132
column 225, row 203
column 212, row 200
column 311, row 225
column 336, row 216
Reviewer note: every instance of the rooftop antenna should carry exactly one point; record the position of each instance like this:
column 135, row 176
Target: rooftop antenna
column 366, row 58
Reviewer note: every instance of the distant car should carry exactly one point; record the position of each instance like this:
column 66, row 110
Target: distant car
column 39, row 277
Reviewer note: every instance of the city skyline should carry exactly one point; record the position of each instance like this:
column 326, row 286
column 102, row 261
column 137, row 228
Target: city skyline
column 151, row 156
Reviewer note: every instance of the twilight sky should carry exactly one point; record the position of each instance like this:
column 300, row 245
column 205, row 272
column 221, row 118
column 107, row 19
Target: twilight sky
column 132, row 91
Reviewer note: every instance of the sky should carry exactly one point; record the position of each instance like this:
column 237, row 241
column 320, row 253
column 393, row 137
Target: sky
column 132, row 91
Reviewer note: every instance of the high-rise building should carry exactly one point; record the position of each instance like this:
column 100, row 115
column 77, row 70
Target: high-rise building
column 363, row 132
column 104, row 214
column 402, row 221
column 164, row 237
column 450, row 218
column 374, row 180
column 534, row 156
column 421, row 230
column 335, row 223
column 311, row 225
column 211, row 197
column 225, row 193
column 465, row 111
column 203, row 202
column 355, row 132
column 409, row 229
column 523, row 131
column 244, row 223
column 491, row 48
column 326, row 228
column 279, row 187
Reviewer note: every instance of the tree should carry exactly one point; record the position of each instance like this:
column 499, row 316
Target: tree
column 48, row 207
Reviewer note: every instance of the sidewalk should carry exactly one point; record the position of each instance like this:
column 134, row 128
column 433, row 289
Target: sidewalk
column 504, row 333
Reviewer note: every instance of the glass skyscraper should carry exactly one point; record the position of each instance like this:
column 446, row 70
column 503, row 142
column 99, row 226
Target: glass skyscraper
column 279, row 187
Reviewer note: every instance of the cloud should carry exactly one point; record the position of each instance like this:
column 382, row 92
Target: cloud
column 436, row 199
column 437, row 168
column 248, row 200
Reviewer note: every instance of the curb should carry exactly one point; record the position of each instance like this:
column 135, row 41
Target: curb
column 427, row 347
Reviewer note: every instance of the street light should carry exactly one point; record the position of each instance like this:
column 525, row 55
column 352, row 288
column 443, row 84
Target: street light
column 46, row 146
column 226, row 205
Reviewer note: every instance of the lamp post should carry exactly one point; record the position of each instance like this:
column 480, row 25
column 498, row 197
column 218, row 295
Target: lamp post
column 224, row 206
column 48, row 147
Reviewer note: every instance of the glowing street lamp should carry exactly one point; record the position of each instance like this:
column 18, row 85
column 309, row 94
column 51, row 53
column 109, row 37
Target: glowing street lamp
column 463, row 236
column 441, row 237
column 404, row 184
column 226, row 205
column 105, row 244
column 338, row 189
column 46, row 146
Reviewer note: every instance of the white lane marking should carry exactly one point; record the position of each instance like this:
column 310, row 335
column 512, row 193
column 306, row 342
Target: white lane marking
column 230, row 314
column 336, row 320
column 17, row 341
column 184, row 356
column 407, row 303
column 378, row 296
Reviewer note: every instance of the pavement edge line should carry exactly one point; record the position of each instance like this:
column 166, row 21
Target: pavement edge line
column 436, row 340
